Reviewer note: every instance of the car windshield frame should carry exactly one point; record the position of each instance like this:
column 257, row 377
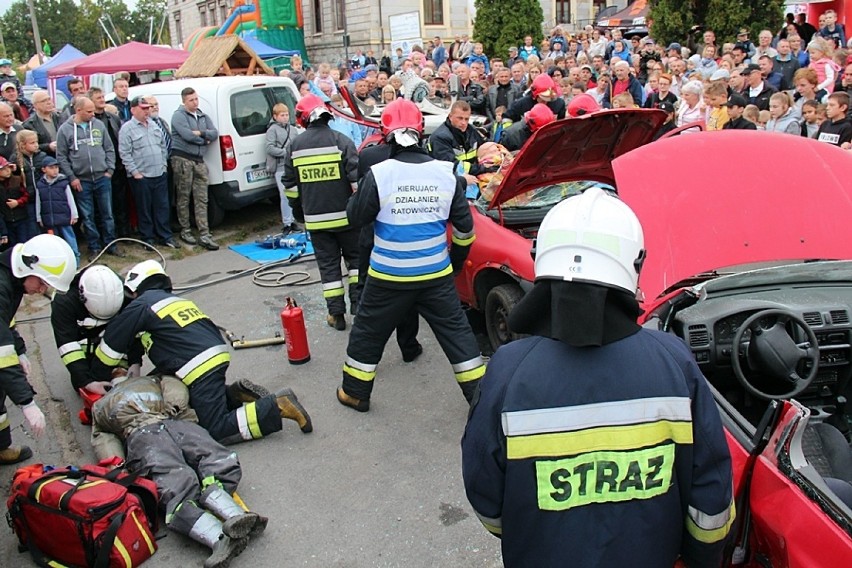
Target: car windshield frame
column 546, row 196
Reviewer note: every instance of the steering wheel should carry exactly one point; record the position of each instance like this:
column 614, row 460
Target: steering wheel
column 775, row 352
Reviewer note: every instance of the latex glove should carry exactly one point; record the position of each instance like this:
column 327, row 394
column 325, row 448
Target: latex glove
column 134, row 370
column 98, row 387
column 35, row 418
column 25, row 364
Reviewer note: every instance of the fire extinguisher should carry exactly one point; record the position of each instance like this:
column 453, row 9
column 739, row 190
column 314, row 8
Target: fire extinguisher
column 295, row 333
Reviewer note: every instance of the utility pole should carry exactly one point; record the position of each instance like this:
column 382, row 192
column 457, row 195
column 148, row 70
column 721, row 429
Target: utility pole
column 36, row 35
column 2, row 41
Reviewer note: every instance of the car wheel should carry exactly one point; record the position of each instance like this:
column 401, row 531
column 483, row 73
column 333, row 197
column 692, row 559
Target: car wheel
column 215, row 213
column 499, row 304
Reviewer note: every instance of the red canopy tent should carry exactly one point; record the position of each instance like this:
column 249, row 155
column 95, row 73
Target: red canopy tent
column 131, row 57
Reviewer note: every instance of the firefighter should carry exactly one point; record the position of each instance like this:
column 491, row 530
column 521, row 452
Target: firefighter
column 543, row 90
column 411, row 198
column 181, row 340
column 595, row 435
column 456, row 141
column 517, row 135
column 33, row 267
column 195, row 475
column 320, row 174
column 582, row 105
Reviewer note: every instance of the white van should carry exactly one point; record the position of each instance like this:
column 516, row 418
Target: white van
column 241, row 108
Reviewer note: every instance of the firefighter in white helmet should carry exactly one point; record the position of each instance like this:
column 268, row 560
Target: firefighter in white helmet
column 593, row 425
column 33, row 267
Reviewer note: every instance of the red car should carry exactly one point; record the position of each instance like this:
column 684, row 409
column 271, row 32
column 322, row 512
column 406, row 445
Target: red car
column 749, row 239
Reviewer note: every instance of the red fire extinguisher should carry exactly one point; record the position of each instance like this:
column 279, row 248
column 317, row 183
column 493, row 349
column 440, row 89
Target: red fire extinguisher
column 295, row 333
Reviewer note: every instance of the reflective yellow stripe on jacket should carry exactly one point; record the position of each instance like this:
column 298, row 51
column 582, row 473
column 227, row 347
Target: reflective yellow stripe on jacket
column 203, row 363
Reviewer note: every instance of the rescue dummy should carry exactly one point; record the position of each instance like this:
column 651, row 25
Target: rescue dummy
column 147, row 422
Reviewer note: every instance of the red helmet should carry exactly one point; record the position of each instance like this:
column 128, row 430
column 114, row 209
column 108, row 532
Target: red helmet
column 582, row 104
column 403, row 121
column 538, row 116
column 544, row 86
column 309, row 109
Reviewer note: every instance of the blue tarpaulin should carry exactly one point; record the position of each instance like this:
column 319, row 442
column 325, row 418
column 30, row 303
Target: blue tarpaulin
column 267, row 51
column 66, row 54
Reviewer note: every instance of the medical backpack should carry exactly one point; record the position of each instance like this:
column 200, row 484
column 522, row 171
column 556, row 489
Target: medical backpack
column 88, row 516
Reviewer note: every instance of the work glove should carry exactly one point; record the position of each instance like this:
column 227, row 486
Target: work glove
column 98, row 387
column 134, row 370
column 35, row 418
column 25, row 363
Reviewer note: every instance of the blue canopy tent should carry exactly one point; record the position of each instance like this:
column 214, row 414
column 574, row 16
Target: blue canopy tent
column 267, row 51
column 64, row 55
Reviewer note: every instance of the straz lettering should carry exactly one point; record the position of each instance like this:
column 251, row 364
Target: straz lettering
column 183, row 312
column 324, row 172
column 604, row 477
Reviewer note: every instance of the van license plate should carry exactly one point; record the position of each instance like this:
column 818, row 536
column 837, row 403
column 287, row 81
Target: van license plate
column 257, row 175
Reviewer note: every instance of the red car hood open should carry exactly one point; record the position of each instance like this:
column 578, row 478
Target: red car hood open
column 713, row 200
column 578, row 149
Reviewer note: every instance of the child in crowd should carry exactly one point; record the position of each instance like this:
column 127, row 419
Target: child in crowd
column 783, row 117
column 56, row 211
column 716, row 99
column 623, row 100
column 836, row 129
column 29, row 164
column 762, row 119
column 279, row 135
column 478, row 55
column 810, row 119
column 13, row 204
column 752, row 114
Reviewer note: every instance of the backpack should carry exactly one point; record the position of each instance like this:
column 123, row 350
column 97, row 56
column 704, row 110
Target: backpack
column 88, row 516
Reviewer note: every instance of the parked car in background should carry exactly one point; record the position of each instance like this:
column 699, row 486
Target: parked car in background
column 241, row 108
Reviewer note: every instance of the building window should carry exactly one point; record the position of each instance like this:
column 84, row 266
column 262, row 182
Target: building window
column 598, row 6
column 317, row 16
column 202, row 12
column 433, row 12
column 223, row 10
column 339, row 15
column 211, row 9
column 178, row 29
column 563, row 11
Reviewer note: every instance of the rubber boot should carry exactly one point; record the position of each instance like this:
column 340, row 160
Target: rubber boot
column 351, row 401
column 292, row 409
column 208, row 530
column 337, row 321
column 15, row 454
column 244, row 391
column 237, row 522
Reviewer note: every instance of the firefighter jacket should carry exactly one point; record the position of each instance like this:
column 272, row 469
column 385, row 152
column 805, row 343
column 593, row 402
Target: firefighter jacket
column 141, row 401
column 450, row 144
column 13, row 381
column 320, row 175
column 411, row 197
column 583, row 451
column 180, row 340
column 77, row 334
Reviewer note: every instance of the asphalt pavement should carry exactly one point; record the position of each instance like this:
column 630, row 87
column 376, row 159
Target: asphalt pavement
column 377, row 489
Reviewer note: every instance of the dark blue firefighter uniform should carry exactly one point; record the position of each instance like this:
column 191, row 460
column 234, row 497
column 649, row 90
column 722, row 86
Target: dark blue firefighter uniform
column 578, row 456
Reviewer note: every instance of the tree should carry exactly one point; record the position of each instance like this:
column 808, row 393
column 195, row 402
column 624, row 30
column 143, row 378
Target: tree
column 672, row 20
column 53, row 17
column 500, row 24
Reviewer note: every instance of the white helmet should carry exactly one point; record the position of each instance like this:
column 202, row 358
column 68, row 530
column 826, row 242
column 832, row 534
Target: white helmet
column 141, row 272
column 593, row 237
column 49, row 258
column 101, row 291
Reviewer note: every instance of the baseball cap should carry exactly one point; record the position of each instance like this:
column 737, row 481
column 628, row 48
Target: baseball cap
column 666, row 106
column 4, row 62
column 8, row 85
column 589, row 67
column 736, row 99
column 648, row 41
column 4, row 163
column 720, row 74
column 139, row 102
column 371, row 67
column 751, row 68
column 513, row 49
column 742, row 32
column 49, row 161
column 674, row 45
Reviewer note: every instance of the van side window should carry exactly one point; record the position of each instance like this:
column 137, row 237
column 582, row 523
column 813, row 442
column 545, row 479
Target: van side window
column 250, row 112
column 285, row 95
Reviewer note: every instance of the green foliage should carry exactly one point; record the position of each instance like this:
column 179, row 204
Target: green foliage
column 501, row 24
column 672, row 19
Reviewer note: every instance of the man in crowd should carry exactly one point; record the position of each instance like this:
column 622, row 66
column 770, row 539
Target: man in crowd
column 120, row 205
column 8, row 75
column 21, row 107
column 75, row 87
column 120, row 87
column 786, row 64
column 624, row 83
column 764, row 46
column 8, row 133
column 470, row 92
column 87, row 157
column 502, row 93
column 44, row 122
column 140, row 144
column 192, row 132
column 756, row 91
column 439, row 52
column 768, row 73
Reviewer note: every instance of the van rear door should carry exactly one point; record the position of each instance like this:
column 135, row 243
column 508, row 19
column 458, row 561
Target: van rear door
column 250, row 114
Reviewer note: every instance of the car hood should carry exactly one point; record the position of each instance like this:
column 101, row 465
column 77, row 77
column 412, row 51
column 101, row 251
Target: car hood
column 714, row 200
column 577, row 149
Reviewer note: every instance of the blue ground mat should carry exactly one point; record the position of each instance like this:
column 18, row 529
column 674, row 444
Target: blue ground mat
column 262, row 253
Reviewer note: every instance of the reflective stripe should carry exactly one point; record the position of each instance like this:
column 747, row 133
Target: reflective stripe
column 419, row 278
column 242, row 423
column 73, row 356
column 358, row 370
column 8, row 356
column 466, row 155
column 119, row 546
column 143, row 532
column 313, row 226
column 163, row 303
column 108, row 355
column 613, row 438
column 409, row 245
column 4, row 421
column 55, row 564
column 710, row 528
column 471, row 375
column 314, row 152
column 291, row 192
column 331, row 220
column 463, row 239
column 69, row 347
column 410, row 262
column 615, row 413
column 146, row 340
column 353, row 279
column 251, row 416
column 326, row 158
column 494, row 526
column 203, row 363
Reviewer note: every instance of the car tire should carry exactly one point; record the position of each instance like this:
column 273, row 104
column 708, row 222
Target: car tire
column 499, row 303
column 215, row 213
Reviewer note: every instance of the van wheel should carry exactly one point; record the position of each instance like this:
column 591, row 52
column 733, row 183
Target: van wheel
column 499, row 303
column 215, row 213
